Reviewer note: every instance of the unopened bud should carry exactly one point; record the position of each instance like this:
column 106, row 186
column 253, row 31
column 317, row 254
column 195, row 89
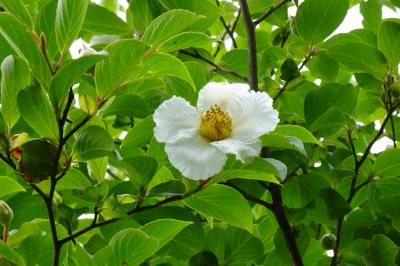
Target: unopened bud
column 6, row 214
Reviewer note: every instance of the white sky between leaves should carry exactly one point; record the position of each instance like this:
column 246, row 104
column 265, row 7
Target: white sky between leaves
column 353, row 20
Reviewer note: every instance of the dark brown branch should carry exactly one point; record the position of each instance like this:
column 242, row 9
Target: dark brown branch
column 251, row 45
column 284, row 224
column 270, row 12
column 226, row 33
column 217, row 67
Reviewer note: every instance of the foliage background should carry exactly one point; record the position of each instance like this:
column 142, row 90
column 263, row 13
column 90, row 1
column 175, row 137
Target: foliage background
column 89, row 184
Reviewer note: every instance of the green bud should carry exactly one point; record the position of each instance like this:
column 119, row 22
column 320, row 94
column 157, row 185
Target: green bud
column 6, row 214
column 328, row 241
column 19, row 139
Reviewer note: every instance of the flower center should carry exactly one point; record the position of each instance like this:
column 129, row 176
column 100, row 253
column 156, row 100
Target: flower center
column 215, row 124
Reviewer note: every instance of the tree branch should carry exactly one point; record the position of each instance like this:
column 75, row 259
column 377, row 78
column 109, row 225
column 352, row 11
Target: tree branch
column 353, row 187
column 270, row 11
column 284, row 224
column 170, row 199
column 217, row 67
column 251, row 45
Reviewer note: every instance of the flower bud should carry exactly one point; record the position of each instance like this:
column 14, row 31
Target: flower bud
column 6, row 214
column 328, row 241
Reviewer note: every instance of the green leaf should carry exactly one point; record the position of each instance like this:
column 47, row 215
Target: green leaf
column 316, row 20
column 25, row 47
column 167, row 25
column 289, row 70
column 331, row 95
column 128, row 246
column 387, row 164
column 97, row 168
column 18, row 9
column 236, row 59
column 279, row 141
column 74, row 179
column 112, row 73
column 208, row 10
column 372, row 14
column 161, row 64
column 69, row 75
column 15, row 76
column 382, row 251
column 38, row 157
column 127, row 105
column 169, row 188
column 359, row 57
column 140, row 14
column 324, row 67
column 223, row 203
column 9, row 256
column 204, row 258
column 141, row 168
column 9, row 186
column 389, row 41
column 244, row 174
column 297, row 131
column 70, row 16
column 184, row 40
column 164, row 230
column 93, row 142
column 100, row 20
column 336, row 204
column 140, row 134
column 36, row 110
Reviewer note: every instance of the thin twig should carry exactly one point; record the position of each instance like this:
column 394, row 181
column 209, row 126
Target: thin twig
column 217, row 67
column 134, row 211
column 270, row 12
column 226, row 27
column 232, row 30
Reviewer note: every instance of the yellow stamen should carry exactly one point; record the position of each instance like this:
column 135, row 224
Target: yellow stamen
column 215, row 124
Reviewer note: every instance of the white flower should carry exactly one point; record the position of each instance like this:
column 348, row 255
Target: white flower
column 229, row 118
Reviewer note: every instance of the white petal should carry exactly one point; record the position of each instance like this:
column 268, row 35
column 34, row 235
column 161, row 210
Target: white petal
column 253, row 115
column 195, row 158
column 244, row 150
column 175, row 119
column 220, row 94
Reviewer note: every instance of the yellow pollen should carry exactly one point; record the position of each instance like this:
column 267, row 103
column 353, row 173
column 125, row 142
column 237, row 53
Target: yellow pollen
column 215, row 124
